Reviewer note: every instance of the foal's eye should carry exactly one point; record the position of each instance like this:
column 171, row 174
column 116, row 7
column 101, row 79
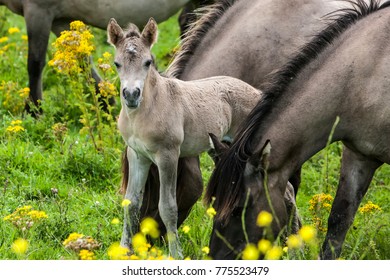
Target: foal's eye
column 117, row 65
column 148, row 63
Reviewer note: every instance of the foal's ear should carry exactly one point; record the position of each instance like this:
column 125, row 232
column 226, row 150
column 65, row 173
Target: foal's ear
column 150, row 32
column 260, row 159
column 114, row 32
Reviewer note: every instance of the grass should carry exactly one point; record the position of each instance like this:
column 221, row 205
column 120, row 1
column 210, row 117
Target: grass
column 60, row 171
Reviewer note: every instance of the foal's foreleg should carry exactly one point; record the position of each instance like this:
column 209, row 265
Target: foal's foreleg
column 167, row 162
column 355, row 177
column 138, row 173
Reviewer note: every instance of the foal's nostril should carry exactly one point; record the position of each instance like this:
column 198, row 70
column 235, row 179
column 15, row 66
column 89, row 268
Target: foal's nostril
column 125, row 92
column 136, row 93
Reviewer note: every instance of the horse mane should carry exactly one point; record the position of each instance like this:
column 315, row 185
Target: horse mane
column 226, row 182
column 207, row 18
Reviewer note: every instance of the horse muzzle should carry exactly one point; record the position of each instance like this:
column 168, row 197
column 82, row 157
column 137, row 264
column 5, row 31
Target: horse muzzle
column 132, row 97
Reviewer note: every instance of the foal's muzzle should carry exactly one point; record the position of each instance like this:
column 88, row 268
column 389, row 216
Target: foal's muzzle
column 132, row 97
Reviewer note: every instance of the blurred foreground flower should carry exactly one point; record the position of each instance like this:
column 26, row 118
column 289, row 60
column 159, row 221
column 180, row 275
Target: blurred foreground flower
column 308, row 234
column 150, row 227
column 20, row 246
column 264, row 219
column 250, row 252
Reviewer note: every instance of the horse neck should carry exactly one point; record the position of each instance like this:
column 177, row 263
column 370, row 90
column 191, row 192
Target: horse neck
column 300, row 125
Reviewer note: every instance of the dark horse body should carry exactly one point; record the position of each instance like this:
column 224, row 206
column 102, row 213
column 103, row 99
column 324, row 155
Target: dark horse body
column 43, row 16
column 343, row 72
column 242, row 39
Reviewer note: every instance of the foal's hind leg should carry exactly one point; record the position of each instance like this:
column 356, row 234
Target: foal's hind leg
column 356, row 175
column 138, row 170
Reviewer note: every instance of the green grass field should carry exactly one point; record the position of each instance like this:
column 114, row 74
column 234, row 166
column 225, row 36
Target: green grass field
column 70, row 169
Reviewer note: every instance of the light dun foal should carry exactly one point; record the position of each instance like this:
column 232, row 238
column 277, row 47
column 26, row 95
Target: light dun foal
column 163, row 119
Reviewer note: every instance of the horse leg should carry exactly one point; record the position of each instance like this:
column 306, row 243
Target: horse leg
column 38, row 23
column 189, row 186
column 356, row 174
column 138, row 170
column 167, row 162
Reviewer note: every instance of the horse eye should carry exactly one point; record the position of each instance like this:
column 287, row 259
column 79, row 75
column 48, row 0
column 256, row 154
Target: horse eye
column 148, row 63
column 117, row 65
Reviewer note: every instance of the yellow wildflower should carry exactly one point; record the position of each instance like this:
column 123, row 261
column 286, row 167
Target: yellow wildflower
column 72, row 237
column 211, row 212
column 117, row 252
column 250, row 252
column 206, row 250
column 264, row 219
column 369, row 207
column 294, row 241
column 24, row 92
column 150, row 227
column 125, row 203
column 186, row 229
column 72, row 48
column 107, row 55
column 86, row 255
column 107, row 89
column 20, row 246
column 13, row 30
column 307, row 233
column 24, row 37
column 264, row 245
column 115, row 221
column 3, row 39
column 275, row 253
column 138, row 241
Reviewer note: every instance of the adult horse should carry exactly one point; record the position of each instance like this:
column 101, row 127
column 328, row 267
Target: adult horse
column 342, row 73
column 242, row 39
column 43, row 16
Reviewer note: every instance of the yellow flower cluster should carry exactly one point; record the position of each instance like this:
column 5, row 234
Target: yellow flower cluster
column 265, row 248
column 321, row 201
column 320, row 205
column 142, row 250
column 86, row 255
column 370, row 207
column 15, row 127
column 72, row 48
column 269, row 251
column 104, row 63
column 13, row 30
column 211, row 212
column 14, row 98
column 107, row 89
column 77, row 242
column 25, row 217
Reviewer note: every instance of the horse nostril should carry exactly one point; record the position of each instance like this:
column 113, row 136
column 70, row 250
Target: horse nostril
column 136, row 92
column 125, row 92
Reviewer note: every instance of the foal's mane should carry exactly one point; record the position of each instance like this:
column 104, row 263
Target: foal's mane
column 207, row 18
column 226, row 181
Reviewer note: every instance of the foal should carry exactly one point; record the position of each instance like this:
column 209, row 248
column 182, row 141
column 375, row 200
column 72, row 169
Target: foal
column 163, row 119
